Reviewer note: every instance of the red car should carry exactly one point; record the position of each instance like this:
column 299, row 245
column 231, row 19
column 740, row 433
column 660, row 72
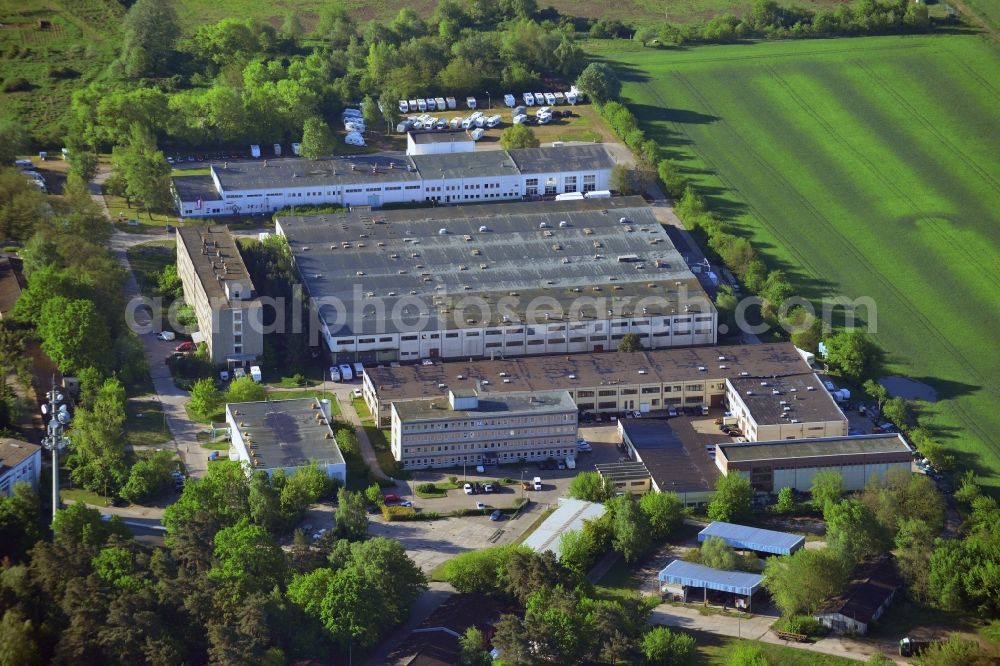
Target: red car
column 185, row 346
column 390, row 498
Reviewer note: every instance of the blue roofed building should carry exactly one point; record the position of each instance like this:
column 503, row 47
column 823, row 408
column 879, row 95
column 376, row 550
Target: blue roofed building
column 743, row 537
column 734, row 588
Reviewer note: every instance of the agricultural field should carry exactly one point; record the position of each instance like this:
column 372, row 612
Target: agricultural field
column 865, row 167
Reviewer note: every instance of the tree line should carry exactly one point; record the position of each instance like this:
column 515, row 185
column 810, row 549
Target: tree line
column 223, row 590
column 768, row 19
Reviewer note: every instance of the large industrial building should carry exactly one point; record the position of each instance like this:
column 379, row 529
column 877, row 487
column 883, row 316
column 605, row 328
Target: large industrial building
column 673, row 466
column 251, row 187
column 611, row 382
column 472, row 429
column 218, row 288
column 285, row 435
column 786, row 407
column 496, row 280
column 771, row 466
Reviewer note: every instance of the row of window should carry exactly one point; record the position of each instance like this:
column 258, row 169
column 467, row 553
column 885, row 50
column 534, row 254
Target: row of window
column 444, row 461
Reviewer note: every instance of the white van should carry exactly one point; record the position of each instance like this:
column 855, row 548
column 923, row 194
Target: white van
column 538, row 483
column 358, row 370
column 334, row 373
column 345, row 372
column 255, row 373
column 477, row 134
column 451, row 103
column 422, row 105
column 470, row 102
column 354, row 139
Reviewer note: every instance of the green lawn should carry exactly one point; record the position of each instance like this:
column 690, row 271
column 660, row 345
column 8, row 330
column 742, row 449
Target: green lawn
column 865, row 167
column 148, row 260
column 713, row 649
column 144, row 422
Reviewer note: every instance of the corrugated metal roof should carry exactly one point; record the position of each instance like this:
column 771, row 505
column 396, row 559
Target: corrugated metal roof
column 568, row 517
column 689, row 574
column 754, row 538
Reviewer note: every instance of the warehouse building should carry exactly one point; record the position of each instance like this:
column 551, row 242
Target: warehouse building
column 472, row 429
column 672, row 466
column 759, row 540
column 732, row 588
column 569, row 516
column 252, row 187
column 218, row 288
column 771, row 466
column 608, row 382
column 285, row 435
column 432, row 142
column 786, row 407
column 873, row 587
column 496, row 280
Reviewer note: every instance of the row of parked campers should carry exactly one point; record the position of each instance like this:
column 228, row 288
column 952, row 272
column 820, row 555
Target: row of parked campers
column 548, row 98
column 433, row 104
column 255, row 150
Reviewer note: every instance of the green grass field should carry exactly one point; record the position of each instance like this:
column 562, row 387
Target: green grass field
column 864, row 167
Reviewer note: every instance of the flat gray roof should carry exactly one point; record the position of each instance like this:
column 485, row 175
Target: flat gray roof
column 663, row 452
column 192, row 188
column 549, row 159
column 221, row 258
column 568, row 517
column 690, row 574
column 287, row 172
column 286, row 433
column 280, row 173
column 436, row 409
column 560, row 250
column 439, row 136
column 539, row 373
column 753, row 538
column 816, row 447
column 804, row 394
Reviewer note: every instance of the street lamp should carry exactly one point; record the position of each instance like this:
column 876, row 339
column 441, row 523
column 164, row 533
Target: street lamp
column 489, row 100
column 54, row 439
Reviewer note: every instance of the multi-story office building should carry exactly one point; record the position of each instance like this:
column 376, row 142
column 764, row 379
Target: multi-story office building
column 218, row 287
column 467, row 428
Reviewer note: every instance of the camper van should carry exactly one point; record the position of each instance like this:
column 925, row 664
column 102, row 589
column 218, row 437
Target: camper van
column 297, row 149
column 404, row 106
column 560, row 98
column 451, row 103
column 493, row 121
column 441, row 104
column 550, row 99
column 571, row 97
column 470, row 102
column 529, row 99
column 455, row 123
column 431, row 104
column 255, row 373
column 255, row 150
column 477, row 134
column 422, row 105
column 520, row 119
column 404, row 126
column 509, row 100
column 413, row 106
column 277, row 150
column 354, row 139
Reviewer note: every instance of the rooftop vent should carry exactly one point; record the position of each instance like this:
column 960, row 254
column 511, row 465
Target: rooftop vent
column 763, row 383
column 563, row 223
column 810, row 388
column 484, row 228
column 442, row 232
column 461, row 376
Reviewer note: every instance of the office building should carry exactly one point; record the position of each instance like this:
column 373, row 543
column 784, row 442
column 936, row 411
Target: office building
column 19, row 461
column 218, row 288
column 786, row 407
column 468, row 428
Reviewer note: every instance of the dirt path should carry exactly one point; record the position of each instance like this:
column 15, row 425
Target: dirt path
column 975, row 19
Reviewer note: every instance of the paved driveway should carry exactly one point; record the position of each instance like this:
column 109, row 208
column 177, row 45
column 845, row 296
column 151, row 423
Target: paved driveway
column 433, row 542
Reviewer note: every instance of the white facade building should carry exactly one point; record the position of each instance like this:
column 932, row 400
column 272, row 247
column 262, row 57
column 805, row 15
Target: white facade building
column 254, row 187
column 19, row 461
column 434, row 142
column 473, row 429
column 286, row 435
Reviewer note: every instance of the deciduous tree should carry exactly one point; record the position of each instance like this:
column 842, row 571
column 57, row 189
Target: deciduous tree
column 518, row 136
column 827, row 488
column 799, row 582
column 599, row 82
column 663, row 647
column 588, row 486
column 732, row 498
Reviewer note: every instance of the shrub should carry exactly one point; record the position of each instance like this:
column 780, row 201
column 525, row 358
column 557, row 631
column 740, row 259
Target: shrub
column 426, row 488
column 18, row 84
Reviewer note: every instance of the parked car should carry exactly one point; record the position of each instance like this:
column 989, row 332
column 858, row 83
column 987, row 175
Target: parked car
column 334, row 373
column 390, row 497
column 496, row 515
column 166, row 335
column 467, row 488
column 560, row 465
column 487, row 487
column 356, row 393
column 480, row 505
column 358, row 370
column 406, row 503
column 584, row 447
column 480, row 469
column 345, row 372
column 672, row 411
column 185, row 346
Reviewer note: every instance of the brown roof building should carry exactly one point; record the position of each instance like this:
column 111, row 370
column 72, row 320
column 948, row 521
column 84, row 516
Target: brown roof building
column 873, row 587
column 597, row 381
